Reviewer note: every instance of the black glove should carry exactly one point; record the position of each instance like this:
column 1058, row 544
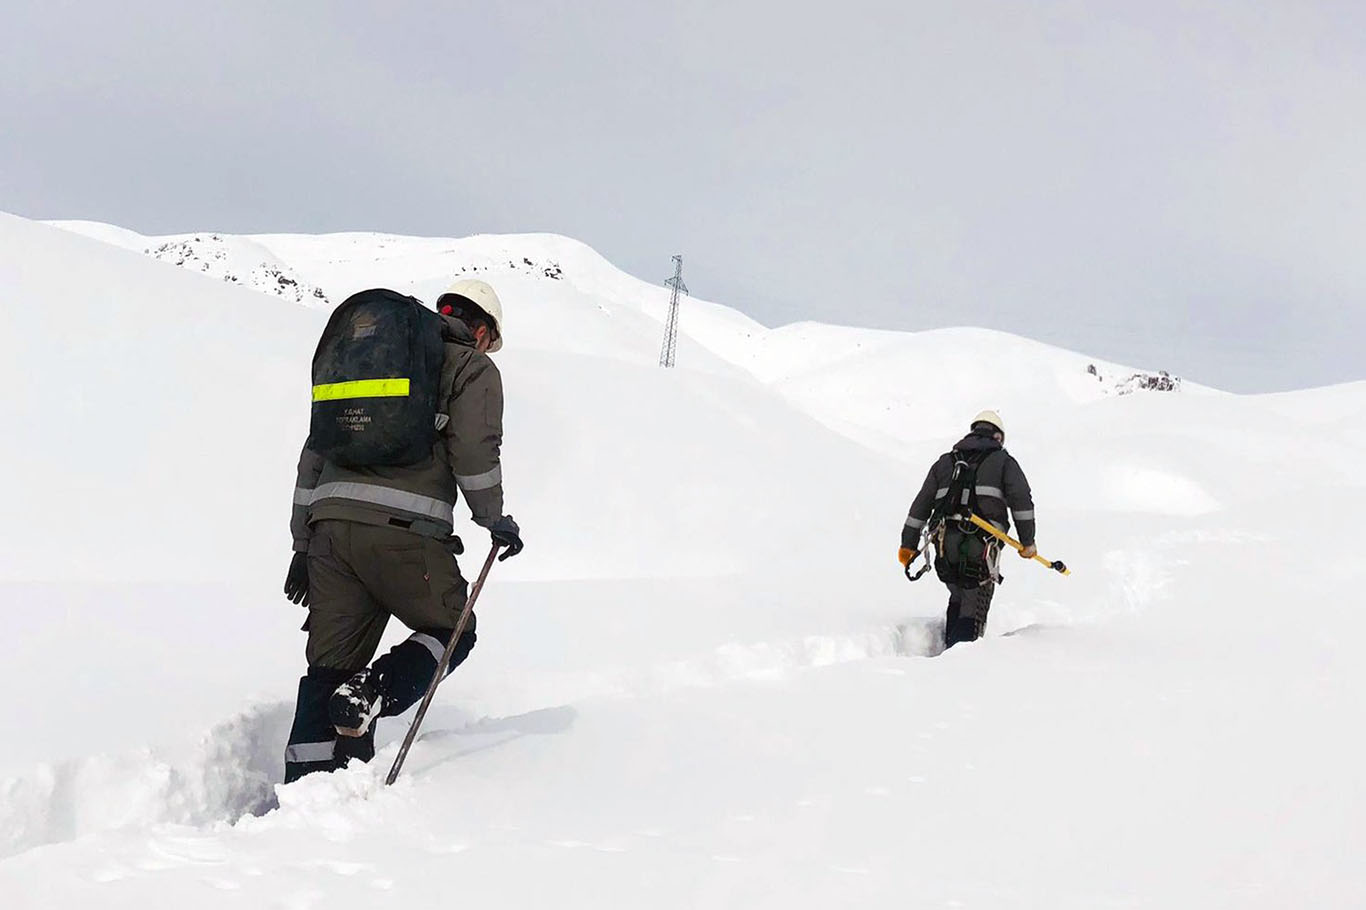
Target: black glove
column 296, row 580
column 506, row 534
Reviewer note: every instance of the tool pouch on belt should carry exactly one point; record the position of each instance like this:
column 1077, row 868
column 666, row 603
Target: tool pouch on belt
column 963, row 558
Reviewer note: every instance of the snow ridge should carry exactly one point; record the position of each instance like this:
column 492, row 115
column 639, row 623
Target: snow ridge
column 229, row 773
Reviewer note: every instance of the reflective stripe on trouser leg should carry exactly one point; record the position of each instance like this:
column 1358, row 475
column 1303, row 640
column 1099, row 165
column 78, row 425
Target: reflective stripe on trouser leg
column 436, row 646
column 311, row 752
column 406, row 671
column 312, row 738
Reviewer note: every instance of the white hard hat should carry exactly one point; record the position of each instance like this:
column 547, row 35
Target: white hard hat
column 481, row 295
column 992, row 418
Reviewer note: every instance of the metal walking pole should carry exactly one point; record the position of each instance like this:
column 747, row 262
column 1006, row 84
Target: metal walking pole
column 441, row 666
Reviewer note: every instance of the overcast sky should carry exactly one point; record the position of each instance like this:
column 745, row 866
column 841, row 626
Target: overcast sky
column 1180, row 185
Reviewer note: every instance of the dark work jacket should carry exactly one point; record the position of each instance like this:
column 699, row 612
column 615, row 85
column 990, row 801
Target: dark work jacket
column 1001, row 484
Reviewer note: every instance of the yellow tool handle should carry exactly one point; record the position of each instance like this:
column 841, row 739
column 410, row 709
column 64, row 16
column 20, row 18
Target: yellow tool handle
column 1001, row 535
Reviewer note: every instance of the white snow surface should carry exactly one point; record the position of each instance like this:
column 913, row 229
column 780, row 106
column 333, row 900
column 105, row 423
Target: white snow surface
column 705, row 682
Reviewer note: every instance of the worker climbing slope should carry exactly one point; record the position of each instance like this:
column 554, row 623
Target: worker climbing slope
column 407, row 410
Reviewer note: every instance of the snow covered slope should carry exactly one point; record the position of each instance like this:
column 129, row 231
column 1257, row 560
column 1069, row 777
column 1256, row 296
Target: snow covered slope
column 705, row 682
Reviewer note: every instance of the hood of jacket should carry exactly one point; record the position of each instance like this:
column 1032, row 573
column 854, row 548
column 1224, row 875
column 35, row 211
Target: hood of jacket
column 456, row 331
column 977, row 444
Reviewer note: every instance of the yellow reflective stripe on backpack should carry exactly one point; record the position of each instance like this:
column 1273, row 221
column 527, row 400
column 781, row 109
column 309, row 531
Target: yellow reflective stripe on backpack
column 361, row 388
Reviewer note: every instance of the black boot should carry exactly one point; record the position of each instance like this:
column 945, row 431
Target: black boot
column 355, row 704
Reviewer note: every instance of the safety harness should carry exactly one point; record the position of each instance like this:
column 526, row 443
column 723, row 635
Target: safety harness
column 952, row 513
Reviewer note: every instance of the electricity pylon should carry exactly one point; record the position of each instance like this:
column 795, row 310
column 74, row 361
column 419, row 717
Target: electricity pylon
column 669, row 351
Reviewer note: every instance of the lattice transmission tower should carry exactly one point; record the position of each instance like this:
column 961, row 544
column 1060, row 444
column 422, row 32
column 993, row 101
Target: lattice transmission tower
column 669, row 351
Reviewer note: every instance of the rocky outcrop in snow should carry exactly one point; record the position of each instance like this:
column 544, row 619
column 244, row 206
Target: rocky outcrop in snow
column 1161, row 381
column 231, row 260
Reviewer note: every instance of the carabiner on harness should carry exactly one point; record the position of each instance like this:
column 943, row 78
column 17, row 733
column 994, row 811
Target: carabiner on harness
column 924, row 544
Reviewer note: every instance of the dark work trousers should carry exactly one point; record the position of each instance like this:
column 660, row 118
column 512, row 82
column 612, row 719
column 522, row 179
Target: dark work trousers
column 967, row 614
column 359, row 575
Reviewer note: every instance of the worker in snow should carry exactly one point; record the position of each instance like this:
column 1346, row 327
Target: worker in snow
column 977, row 477
column 371, row 542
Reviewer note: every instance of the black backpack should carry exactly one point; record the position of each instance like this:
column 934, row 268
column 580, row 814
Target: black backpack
column 376, row 381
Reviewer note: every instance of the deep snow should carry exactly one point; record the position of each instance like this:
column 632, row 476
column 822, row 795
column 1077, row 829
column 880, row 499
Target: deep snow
column 705, row 682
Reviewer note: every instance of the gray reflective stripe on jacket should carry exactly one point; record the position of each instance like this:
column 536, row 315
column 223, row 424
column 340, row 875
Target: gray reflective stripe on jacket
column 376, row 494
column 389, row 497
column 473, row 483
